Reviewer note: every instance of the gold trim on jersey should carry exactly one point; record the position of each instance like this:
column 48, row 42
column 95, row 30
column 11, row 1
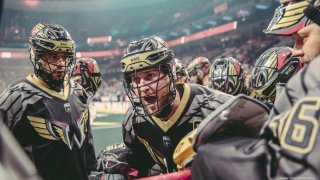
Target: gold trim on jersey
column 155, row 156
column 40, row 85
column 166, row 125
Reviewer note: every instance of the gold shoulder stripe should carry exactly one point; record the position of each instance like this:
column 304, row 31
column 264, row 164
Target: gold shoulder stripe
column 166, row 125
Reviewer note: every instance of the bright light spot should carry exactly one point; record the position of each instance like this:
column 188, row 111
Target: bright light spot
column 32, row 3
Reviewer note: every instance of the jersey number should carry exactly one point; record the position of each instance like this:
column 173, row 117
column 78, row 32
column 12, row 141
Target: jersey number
column 301, row 127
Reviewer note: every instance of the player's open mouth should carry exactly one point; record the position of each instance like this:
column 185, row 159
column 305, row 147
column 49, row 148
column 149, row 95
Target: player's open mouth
column 150, row 99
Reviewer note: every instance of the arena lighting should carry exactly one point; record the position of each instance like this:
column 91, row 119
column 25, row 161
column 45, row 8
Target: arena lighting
column 31, row 3
column 118, row 52
column 102, row 39
column 204, row 34
column 13, row 55
column 93, row 54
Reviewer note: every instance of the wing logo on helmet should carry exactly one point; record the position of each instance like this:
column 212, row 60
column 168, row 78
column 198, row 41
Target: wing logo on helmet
column 288, row 18
column 275, row 65
column 227, row 75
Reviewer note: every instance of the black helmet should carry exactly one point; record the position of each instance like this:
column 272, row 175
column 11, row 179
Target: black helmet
column 227, row 75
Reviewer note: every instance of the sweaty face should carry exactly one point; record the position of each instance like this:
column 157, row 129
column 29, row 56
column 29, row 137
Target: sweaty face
column 151, row 86
column 307, row 44
column 55, row 64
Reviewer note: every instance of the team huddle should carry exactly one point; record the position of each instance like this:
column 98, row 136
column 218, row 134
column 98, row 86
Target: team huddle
column 210, row 118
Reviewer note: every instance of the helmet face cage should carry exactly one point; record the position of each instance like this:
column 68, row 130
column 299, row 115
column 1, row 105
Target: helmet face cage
column 227, row 75
column 288, row 18
column 275, row 65
column 136, row 97
column 141, row 55
column 51, row 40
column 88, row 71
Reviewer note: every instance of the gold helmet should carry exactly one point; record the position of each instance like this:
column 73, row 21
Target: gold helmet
column 147, row 52
column 293, row 15
column 53, row 39
column 143, row 54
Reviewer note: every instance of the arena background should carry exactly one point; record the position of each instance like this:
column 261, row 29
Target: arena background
column 103, row 28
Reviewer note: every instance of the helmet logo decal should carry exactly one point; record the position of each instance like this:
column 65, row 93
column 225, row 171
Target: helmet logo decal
column 67, row 107
column 166, row 141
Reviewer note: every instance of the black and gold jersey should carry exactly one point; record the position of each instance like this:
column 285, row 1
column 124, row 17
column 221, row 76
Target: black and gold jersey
column 289, row 143
column 154, row 141
column 53, row 128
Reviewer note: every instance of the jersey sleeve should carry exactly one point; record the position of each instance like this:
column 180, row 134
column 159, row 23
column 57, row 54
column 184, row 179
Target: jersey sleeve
column 11, row 106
